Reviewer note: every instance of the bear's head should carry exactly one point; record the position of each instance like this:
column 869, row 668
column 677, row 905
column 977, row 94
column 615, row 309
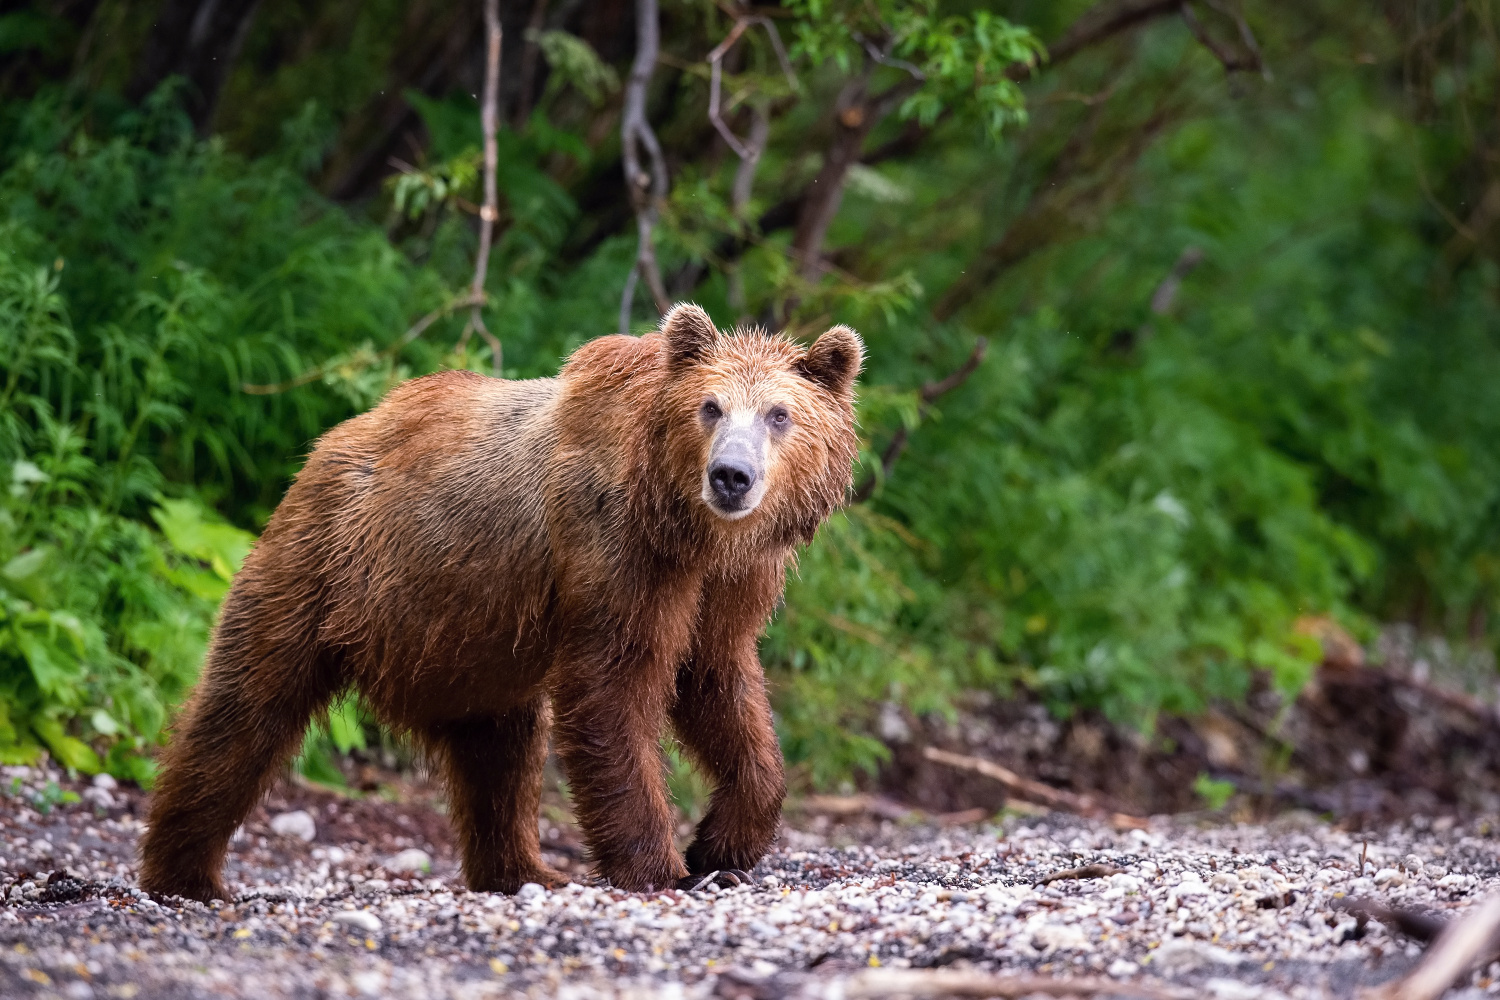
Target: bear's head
column 758, row 430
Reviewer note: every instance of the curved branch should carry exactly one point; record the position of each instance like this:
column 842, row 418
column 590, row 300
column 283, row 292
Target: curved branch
column 647, row 190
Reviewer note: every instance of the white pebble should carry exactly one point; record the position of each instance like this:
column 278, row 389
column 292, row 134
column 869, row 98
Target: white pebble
column 1390, row 877
column 360, row 919
column 410, row 860
column 297, row 824
column 1122, row 967
column 105, row 781
column 529, row 892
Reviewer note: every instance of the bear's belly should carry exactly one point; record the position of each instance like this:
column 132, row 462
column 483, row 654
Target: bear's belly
column 453, row 676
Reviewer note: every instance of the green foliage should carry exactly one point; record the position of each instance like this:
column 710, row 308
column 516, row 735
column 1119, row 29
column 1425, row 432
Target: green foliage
column 1127, row 506
column 102, row 619
column 573, row 61
column 1214, row 793
column 956, row 62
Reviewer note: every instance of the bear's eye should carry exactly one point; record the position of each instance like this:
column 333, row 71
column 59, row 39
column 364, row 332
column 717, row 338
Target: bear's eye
column 779, row 418
column 710, row 410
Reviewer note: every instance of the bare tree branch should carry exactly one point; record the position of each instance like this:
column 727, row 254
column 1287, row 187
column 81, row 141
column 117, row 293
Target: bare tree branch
column 716, row 67
column 1166, row 292
column 489, row 116
column 927, row 395
column 1231, row 60
column 1098, row 23
column 647, row 190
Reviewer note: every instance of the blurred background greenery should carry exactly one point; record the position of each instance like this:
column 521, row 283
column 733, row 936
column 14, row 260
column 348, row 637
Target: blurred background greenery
column 1235, row 263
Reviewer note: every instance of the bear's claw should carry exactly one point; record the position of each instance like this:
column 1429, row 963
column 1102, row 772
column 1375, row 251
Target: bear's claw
column 725, row 879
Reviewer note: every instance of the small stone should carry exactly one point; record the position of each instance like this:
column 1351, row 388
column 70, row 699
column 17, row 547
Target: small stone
column 1183, row 955
column 409, row 861
column 1122, row 967
column 1389, row 877
column 98, row 797
column 1412, row 864
column 105, row 781
column 360, row 919
column 369, row 983
column 297, row 824
column 530, row 892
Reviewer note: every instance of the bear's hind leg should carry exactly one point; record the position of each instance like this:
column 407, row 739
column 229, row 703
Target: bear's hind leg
column 243, row 723
column 493, row 769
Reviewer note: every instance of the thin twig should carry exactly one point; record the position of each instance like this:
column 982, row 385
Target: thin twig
column 488, row 122
column 413, row 332
column 1462, row 944
column 1087, row 871
column 1246, row 35
column 927, row 395
column 1232, row 61
column 746, row 152
column 647, row 190
column 1166, row 292
column 885, row 58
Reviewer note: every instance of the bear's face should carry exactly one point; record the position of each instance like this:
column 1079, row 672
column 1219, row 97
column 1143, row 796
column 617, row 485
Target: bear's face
column 760, row 429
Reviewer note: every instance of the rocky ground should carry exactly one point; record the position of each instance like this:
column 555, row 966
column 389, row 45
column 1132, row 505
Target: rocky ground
column 361, row 897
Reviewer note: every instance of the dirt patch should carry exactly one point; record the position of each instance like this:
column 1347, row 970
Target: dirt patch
column 1360, row 744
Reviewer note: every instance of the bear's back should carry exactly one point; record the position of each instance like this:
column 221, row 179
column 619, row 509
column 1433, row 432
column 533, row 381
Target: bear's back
column 429, row 517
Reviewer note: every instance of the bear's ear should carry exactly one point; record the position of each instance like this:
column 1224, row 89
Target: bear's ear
column 834, row 360
column 689, row 334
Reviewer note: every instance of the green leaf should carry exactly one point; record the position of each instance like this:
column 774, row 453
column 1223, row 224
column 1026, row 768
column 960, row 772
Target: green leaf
column 69, row 751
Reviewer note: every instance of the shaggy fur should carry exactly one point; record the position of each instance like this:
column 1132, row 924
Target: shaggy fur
column 481, row 559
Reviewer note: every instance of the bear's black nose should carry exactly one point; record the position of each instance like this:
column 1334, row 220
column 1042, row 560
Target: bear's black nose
column 731, row 478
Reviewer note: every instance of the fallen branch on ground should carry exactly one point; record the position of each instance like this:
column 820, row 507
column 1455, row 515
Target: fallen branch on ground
column 870, row 984
column 1413, row 923
column 1100, row 870
column 1461, row 946
column 1033, row 791
column 851, row 805
column 962, row 983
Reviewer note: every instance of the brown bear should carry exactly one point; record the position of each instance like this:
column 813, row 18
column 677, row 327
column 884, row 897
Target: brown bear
column 479, row 558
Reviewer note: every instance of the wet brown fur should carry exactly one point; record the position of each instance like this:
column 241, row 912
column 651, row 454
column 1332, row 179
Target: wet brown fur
column 483, row 559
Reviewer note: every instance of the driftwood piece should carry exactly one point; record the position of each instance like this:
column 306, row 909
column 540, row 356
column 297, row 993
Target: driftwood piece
column 1462, row 945
column 872, row 984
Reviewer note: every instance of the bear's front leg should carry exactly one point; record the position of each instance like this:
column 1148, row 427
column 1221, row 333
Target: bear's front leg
column 609, row 707
column 723, row 719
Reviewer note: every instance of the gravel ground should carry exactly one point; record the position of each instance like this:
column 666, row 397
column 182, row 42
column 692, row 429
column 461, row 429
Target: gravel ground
column 324, row 909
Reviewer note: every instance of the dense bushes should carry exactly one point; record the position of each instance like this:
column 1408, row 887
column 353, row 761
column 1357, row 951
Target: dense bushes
column 1124, row 507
